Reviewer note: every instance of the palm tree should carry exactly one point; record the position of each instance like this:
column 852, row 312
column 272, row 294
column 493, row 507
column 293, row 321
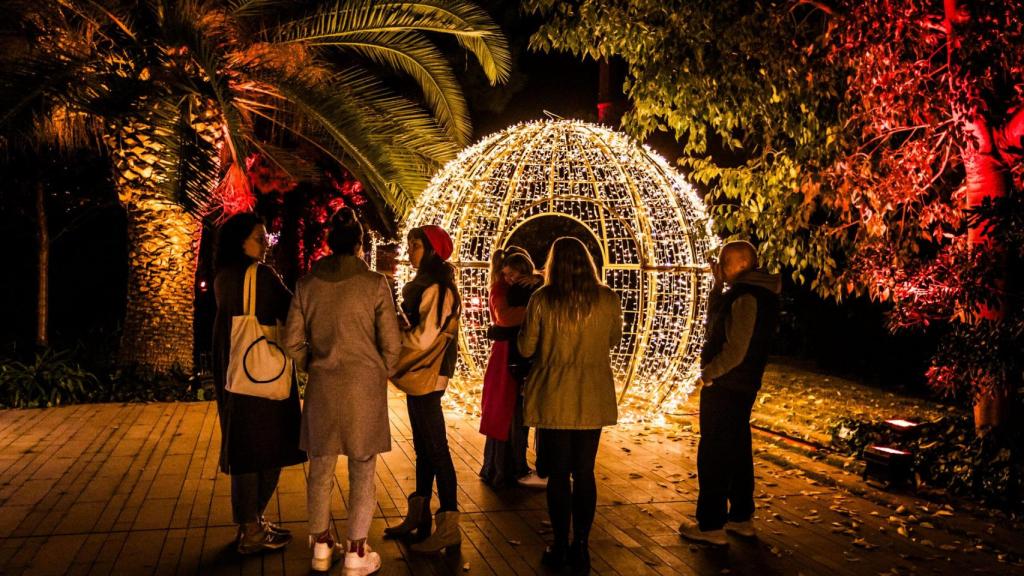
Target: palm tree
column 182, row 92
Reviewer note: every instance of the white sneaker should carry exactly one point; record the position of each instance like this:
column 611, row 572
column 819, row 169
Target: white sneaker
column 531, row 480
column 744, row 529
column 325, row 554
column 689, row 530
column 361, row 565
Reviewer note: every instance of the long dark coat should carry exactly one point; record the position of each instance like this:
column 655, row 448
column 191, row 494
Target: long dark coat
column 256, row 433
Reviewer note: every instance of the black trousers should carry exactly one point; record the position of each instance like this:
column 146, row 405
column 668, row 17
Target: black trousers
column 561, row 454
column 505, row 462
column 430, row 442
column 725, row 460
column 251, row 492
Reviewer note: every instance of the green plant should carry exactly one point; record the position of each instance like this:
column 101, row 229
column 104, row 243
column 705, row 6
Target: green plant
column 51, row 379
column 949, row 455
column 184, row 94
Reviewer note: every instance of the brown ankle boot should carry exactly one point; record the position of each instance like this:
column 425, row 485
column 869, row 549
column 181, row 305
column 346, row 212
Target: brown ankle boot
column 446, row 537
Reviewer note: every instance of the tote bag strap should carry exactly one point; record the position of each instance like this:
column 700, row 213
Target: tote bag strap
column 249, row 290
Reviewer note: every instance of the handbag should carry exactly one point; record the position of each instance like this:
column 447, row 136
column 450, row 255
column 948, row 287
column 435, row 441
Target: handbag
column 257, row 365
column 418, row 370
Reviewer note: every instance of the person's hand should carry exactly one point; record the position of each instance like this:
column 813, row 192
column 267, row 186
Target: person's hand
column 702, row 384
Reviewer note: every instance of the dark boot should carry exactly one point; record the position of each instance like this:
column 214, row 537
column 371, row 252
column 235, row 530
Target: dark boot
column 417, row 519
column 554, row 556
column 579, row 557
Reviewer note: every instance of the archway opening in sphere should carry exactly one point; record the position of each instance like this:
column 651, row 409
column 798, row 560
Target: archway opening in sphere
column 526, row 185
column 536, row 236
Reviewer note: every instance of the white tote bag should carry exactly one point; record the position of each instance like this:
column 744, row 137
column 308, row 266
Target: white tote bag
column 257, row 365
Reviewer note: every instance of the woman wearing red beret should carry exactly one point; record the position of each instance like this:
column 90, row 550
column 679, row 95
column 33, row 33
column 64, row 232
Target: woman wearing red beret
column 431, row 304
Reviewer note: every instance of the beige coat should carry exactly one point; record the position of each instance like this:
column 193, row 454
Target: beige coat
column 571, row 386
column 342, row 328
column 422, row 336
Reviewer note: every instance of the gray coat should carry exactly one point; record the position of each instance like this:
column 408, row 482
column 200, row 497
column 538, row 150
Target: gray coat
column 342, row 328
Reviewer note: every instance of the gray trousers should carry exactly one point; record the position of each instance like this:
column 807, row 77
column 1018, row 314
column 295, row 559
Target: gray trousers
column 362, row 496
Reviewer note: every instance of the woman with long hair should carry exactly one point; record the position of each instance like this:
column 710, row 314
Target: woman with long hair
column 513, row 280
column 258, row 436
column 430, row 302
column 572, row 323
column 343, row 329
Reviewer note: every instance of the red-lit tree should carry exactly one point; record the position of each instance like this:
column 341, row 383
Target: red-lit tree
column 935, row 97
column 871, row 148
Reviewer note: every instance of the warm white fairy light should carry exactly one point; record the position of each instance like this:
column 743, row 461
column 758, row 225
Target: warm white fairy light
column 650, row 225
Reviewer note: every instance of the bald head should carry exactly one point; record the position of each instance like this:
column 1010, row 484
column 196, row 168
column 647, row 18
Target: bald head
column 736, row 258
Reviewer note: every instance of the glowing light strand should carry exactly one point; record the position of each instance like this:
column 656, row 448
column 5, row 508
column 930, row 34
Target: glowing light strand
column 650, row 224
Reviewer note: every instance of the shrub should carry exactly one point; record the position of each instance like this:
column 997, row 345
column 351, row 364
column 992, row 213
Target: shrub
column 51, row 379
column 948, row 454
column 79, row 375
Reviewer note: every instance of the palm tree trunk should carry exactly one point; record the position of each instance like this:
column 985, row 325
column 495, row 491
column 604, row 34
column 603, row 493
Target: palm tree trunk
column 43, row 297
column 163, row 242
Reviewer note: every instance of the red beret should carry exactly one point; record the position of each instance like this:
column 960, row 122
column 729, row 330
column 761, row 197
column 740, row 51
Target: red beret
column 439, row 240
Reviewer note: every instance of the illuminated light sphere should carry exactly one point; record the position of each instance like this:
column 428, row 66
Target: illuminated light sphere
column 646, row 220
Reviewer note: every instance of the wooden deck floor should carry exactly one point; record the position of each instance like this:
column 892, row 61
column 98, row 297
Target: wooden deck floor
column 134, row 489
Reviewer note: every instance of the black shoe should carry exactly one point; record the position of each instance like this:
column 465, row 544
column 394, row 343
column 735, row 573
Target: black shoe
column 554, row 557
column 579, row 558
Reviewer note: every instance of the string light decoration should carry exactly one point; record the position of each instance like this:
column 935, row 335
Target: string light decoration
column 650, row 225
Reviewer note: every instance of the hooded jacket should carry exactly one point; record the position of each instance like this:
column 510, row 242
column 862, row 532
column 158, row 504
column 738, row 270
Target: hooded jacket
column 741, row 324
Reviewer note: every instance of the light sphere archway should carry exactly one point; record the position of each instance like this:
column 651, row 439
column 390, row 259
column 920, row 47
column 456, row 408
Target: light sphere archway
column 650, row 225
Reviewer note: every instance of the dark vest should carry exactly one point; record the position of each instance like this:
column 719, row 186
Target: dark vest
column 747, row 375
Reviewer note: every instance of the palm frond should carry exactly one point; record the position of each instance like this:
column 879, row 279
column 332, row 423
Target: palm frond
column 340, row 129
column 469, row 24
column 44, row 102
column 294, row 166
column 413, row 54
column 410, row 143
column 489, row 45
column 191, row 162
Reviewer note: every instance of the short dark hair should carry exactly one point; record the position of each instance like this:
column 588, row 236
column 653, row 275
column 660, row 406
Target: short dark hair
column 230, row 238
column 346, row 232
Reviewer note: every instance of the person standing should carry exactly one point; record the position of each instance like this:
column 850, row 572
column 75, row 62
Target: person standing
column 343, row 328
column 430, row 303
column 572, row 323
column 513, row 281
column 258, row 436
column 741, row 323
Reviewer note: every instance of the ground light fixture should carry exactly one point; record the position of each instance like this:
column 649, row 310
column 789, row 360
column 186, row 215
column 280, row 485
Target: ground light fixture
column 648, row 227
column 888, row 466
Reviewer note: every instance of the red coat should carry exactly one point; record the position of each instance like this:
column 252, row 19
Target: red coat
column 500, row 387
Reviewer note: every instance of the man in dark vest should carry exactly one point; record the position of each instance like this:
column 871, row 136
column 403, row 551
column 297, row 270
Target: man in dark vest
column 741, row 323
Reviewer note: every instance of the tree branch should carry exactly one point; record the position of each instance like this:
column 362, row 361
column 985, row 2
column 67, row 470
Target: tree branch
column 817, row 4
